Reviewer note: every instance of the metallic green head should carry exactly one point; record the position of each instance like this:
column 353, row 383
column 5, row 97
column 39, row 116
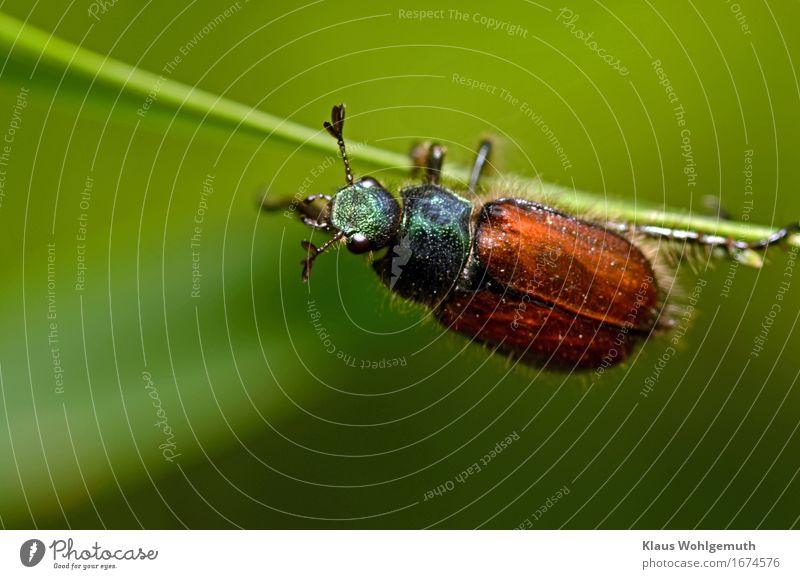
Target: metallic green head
column 367, row 215
column 362, row 212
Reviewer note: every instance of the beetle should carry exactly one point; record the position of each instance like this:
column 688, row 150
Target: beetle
column 548, row 288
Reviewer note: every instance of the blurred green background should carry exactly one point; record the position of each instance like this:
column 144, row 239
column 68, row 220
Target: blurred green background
column 260, row 425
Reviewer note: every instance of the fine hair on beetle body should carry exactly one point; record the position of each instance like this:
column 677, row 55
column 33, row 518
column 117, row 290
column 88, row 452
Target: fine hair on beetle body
column 507, row 266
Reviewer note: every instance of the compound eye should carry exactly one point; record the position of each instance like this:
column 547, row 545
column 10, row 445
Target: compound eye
column 358, row 243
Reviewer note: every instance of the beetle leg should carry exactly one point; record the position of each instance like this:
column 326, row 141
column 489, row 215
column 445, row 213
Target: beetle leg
column 419, row 156
column 428, row 156
column 433, row 166
column 311, row 198
column 706, row 238
column 482, row 157
column 311, row 213
column 314, row 224
column 313, row 216
column 776, row 237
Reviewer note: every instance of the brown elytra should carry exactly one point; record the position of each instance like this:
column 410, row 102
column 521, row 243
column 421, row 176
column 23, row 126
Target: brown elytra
column 553, row 290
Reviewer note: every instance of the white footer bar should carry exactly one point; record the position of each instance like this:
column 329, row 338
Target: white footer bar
column 390, row 554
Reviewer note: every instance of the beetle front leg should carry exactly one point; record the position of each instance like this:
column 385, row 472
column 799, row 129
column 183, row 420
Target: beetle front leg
column 430, row 157
column 481, row 159
column 311, row 213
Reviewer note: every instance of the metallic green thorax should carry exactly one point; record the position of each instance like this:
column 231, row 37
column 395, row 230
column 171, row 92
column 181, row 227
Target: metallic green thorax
column 369, row 211
column 431, row 247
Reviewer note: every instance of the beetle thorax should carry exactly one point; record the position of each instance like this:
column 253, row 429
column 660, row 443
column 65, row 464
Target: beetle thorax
column 431, row 247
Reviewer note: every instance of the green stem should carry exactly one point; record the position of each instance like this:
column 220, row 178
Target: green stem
column 23, row 40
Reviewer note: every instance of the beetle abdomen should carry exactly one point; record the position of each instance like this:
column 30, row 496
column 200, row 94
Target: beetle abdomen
column 431, row 247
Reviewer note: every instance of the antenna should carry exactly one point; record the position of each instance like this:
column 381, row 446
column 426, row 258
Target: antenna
column 313, row 252
column 335, row 129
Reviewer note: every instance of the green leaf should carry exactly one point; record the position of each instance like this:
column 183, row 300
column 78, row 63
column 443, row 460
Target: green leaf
column 31, row 42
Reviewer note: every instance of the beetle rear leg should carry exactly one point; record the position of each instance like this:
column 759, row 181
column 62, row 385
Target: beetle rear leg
column 706, row 239
column 780, row 235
